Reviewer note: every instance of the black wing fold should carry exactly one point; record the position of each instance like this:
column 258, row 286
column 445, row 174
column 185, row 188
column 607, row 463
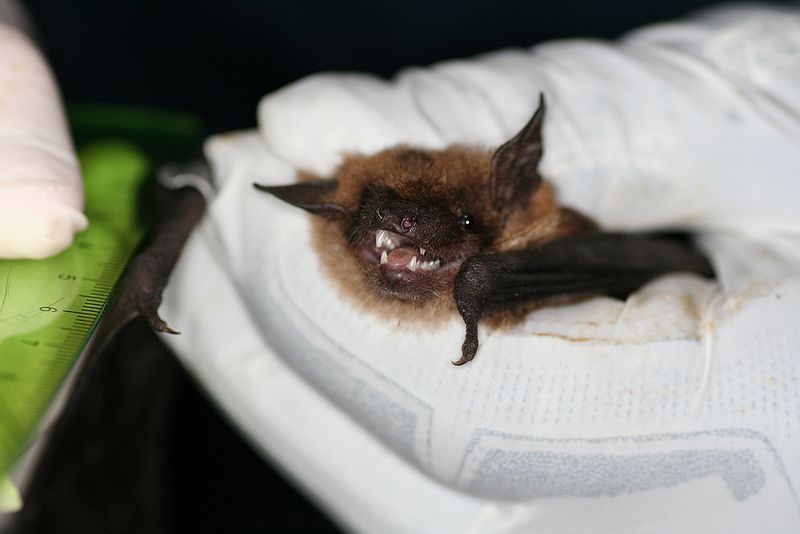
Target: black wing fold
column 593, row 264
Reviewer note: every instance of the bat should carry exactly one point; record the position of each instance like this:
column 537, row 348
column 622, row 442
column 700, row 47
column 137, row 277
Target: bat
column 416, row 233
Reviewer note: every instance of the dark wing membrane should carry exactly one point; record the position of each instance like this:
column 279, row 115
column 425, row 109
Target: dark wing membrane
column 591, row 264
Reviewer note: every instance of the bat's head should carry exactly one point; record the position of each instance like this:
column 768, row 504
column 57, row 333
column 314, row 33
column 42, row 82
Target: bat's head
column 411, row 217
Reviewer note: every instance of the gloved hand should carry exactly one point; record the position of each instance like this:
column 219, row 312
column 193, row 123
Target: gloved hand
column 675, row 410
column 41, row 195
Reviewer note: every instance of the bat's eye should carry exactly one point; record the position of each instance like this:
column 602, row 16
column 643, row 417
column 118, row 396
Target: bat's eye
column 467, row 222
column 380, row 213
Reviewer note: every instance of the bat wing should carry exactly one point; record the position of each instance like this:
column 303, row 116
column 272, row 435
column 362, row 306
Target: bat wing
column 591, row 264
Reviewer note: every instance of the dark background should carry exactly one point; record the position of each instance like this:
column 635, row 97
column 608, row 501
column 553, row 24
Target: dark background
column 215, row 59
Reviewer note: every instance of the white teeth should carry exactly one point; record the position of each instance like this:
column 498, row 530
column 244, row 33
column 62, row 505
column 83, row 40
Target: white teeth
column 429, row 265
column 383, row 240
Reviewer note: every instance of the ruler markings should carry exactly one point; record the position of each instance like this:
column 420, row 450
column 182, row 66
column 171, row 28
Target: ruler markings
column 80, row 281
column 79, row 312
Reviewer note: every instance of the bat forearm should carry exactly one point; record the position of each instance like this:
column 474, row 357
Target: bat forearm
column 591, row 264
column 148, row 272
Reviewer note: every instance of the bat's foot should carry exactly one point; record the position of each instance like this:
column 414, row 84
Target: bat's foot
column 156, row 322
column 469, row 348
column 141, row 292
column 461, row 361
column 164, row 327
column 470, row 290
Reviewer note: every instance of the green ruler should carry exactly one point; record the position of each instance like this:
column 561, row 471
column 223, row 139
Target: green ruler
column 49, row 308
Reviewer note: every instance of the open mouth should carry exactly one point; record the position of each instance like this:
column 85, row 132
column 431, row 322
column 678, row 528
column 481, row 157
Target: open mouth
column 396, row 254
column 405, row 268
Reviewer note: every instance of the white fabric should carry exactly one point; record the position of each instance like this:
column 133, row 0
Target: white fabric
column 675, row 411
column 41, row 194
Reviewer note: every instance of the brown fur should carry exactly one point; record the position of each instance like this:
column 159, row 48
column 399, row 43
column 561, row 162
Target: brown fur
column 421, row 175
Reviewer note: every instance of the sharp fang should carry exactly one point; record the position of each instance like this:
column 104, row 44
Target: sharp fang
column 422, row 251
column 384, row 257
column 380, row 237
column 412, row 265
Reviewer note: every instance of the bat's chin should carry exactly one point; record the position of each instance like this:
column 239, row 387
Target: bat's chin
column 404, row 270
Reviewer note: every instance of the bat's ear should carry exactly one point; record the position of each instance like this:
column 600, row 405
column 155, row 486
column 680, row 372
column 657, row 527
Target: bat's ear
column 514, row 174
column 313, row 196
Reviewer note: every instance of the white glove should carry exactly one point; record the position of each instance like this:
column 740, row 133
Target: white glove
column 675, row 411
column 41, row 195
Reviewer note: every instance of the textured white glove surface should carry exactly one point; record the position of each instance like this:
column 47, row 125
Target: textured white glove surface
column 41, row 195
column 675, row 411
